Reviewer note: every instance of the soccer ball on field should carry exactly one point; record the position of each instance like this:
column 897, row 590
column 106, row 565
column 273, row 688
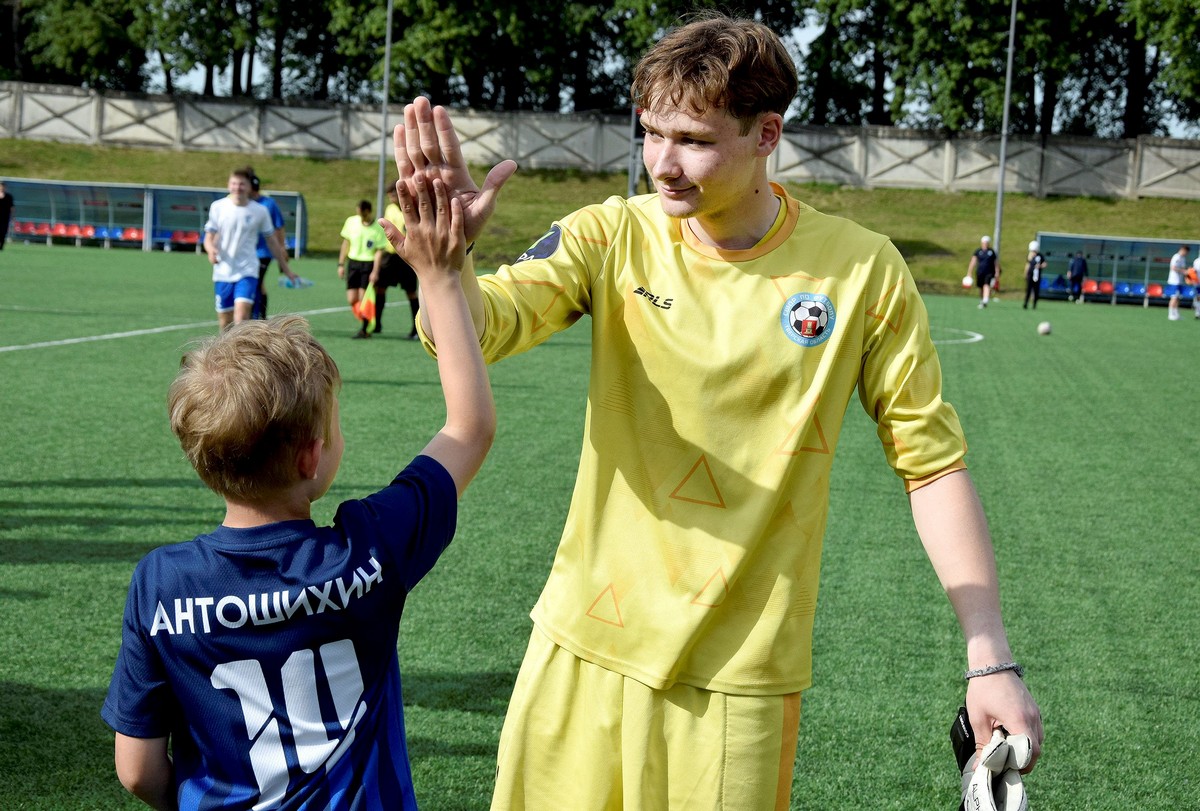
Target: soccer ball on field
column 1044, row 328
column 809, row 318
column 967, row 282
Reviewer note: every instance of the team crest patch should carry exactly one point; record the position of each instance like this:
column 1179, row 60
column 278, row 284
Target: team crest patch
column 544, row 247
column 808, row 318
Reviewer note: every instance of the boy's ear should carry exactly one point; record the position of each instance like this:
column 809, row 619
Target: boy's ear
column 770, row 133
column 308, row 459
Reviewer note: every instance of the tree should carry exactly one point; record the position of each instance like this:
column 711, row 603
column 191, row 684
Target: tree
column 85, row 44
column 1169, row 30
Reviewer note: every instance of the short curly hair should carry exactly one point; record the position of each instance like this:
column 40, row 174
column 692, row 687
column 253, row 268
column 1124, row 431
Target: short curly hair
column 720, row 62
column 246, row 401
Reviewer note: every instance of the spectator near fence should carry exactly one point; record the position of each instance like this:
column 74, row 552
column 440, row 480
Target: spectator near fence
column 1175, row 278
column 1034, row 266
column 1077, row 271
column 6, row 207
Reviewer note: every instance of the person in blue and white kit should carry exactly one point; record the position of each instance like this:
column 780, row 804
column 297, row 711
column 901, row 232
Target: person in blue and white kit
column 263, row 249
column 1179, row 266
column 230, row 240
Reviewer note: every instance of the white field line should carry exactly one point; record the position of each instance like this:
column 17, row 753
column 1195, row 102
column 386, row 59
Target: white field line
column 969, row 337
column 112, row 336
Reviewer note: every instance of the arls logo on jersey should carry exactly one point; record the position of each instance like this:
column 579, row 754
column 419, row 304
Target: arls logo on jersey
column 657, row 301
column 808, row 318
column 544, row 247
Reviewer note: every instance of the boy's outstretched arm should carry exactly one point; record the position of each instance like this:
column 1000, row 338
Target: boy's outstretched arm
column 145, row 770
column 428, row 144
column 953, row 530
column 436, row 248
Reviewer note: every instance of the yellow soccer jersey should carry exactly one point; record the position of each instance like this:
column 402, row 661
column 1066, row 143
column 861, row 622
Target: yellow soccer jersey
column 395, row 216
column 364, row 239
column 719, row 380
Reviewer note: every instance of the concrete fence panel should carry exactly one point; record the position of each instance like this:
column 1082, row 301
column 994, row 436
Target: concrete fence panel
column 866, row 157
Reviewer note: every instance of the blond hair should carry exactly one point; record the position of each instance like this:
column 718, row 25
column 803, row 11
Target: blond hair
column 245, row 402
column 720, row 62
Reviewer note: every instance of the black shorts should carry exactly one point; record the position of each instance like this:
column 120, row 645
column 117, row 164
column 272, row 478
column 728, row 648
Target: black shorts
column 395, row 271
column 985, row 279
column 358, row 274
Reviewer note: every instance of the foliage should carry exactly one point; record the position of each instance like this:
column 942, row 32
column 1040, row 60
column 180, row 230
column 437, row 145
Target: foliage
column 1112, row 68
column 85, row 43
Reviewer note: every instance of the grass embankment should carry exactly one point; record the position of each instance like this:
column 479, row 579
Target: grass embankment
column 936, row 231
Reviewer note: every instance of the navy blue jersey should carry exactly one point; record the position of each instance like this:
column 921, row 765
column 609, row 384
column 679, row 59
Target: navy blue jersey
column 276, row 220
column 268, row 655
column 985, row 262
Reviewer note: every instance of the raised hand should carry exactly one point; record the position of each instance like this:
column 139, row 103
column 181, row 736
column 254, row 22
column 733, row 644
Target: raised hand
column 427, row 144
column 433, row 219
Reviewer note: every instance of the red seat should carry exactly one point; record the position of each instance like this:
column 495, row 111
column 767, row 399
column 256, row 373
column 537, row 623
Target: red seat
column 1090, row 286
column 1154, row 291
column 132, row 235
column 88, row 232
column 59, row 229
column 73, row 230
column 190, row 238
column 1105, row 288
column 42, row 229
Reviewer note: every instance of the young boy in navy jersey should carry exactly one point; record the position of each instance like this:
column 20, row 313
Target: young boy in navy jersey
column 262, row 654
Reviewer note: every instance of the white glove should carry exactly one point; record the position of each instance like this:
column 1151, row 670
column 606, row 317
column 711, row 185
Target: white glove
column 995, row 783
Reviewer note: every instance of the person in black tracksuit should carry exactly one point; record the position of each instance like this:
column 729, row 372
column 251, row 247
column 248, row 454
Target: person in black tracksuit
column 1034, row 266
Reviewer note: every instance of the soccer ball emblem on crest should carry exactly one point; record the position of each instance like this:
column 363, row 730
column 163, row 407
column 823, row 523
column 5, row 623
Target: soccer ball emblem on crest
column 808, row 318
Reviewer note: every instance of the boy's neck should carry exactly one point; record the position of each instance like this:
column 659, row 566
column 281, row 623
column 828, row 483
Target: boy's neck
column 752, row 223
column 245, row 515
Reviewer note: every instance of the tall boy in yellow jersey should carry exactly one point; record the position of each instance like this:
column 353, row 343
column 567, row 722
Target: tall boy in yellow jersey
column 731, row 324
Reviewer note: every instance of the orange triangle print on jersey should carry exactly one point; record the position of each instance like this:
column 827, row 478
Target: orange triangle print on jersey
column 814, row 442
column 605, row 608
column 714, row 591
column 539, row 319
column 699, row 486
column 878, row 309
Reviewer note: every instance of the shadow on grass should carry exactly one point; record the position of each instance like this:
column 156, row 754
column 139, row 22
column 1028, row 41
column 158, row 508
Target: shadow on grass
column 42, row 551
column 57, row 753
column 912, row 248
column 54, row 528
column 191, row 484
column 485, row 693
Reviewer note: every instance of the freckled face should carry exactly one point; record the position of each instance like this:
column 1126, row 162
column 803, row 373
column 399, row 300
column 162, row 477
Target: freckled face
column 702, row 166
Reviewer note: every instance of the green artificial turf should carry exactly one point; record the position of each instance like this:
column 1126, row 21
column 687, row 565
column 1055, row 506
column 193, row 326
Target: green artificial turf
column 1082, row 445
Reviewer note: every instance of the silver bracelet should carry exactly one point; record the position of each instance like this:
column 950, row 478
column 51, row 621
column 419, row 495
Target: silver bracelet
column 1000, row 668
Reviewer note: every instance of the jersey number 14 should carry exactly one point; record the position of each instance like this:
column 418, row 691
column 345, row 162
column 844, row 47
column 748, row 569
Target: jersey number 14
column 314, row 749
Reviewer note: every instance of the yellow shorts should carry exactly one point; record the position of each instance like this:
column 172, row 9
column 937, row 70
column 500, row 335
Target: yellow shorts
column 580, row 737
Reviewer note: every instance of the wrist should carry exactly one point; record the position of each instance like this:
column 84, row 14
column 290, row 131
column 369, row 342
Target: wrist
column 1001, row 667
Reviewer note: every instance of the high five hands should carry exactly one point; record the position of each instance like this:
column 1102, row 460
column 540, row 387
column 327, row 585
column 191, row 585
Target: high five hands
column 433, row 220
column 428, row 145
